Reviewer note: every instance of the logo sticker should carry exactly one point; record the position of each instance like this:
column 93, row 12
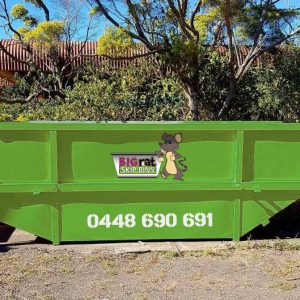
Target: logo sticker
column 148, row 164
column 136, row 164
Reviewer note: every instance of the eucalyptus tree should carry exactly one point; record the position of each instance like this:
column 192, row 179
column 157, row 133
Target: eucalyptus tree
column 41, row 39
column 260, row 26
column 183, row 33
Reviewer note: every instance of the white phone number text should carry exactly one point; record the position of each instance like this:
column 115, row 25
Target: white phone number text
column 150, row 220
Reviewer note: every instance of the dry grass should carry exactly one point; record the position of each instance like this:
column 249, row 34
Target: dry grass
column 278, row 245
column 283, row 286
column 271, row 267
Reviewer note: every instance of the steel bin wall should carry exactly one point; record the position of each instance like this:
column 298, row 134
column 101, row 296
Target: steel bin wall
column 59, row 181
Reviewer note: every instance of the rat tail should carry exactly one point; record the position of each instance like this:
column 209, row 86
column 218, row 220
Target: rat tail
column 182, row 164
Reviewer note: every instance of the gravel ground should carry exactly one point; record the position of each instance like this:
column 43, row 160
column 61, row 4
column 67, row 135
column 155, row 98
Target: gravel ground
column 245, row 270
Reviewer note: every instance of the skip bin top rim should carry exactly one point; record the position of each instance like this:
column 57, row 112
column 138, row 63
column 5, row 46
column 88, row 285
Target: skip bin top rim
column 154, row 125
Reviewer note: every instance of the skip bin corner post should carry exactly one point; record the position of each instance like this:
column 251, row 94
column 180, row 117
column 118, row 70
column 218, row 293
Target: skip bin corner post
column 56, row 224
column 237, row 220
column 237, row 203
column 56, row 211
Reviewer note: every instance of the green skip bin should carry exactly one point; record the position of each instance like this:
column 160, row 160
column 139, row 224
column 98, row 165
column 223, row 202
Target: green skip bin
column 76, row 181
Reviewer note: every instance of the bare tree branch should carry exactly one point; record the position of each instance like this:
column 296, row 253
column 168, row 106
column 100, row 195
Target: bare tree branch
column 296, row 31
column 194, row 13
column 186, row 29
column 114, row 22
column 20, row 100
column 43, row 6
column 9, row 54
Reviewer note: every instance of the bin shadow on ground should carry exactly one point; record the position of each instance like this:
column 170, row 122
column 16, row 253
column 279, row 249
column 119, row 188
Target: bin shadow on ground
column 4, row 248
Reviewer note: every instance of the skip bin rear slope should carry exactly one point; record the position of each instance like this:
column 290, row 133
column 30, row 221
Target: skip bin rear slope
column 58, row 180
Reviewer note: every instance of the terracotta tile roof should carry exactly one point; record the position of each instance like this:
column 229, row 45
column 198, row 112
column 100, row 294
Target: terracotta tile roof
column 71, row 50
column 7, row 63
column 67, row 49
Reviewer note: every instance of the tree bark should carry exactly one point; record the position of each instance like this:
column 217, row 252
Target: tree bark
column 192, row 96
column 229, row 97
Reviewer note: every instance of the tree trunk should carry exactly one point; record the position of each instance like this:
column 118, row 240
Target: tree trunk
column 192, row 97
column 190, row 85
column 229, row 97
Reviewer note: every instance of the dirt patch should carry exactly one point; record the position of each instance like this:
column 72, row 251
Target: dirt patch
column 249, row 270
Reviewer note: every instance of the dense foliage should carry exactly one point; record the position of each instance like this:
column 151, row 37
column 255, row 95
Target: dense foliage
column 133, row 93
column 115, row 40
column 183, row 33
column 182, row 37
column 270, row 92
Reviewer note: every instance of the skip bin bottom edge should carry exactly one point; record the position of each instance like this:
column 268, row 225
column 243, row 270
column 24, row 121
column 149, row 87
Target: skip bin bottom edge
column 84, row 217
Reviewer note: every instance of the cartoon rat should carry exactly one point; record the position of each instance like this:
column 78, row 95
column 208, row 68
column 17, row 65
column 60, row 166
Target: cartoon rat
column 168, row 150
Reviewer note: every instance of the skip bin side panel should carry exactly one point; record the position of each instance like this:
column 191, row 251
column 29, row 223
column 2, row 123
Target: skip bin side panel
column 30, row 213
column 86, row 157
column 223, row 195
column 95, row 222
column 272, row 156
column 24, row 157
column 147, row 215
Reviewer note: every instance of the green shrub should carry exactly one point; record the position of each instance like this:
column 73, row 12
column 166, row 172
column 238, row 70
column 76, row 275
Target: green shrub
column 133, row 93
column 268, row 92
column 278, row 87
column 271, row 92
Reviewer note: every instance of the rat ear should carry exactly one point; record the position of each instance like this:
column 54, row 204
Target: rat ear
column 164, row 136
column 178, row 137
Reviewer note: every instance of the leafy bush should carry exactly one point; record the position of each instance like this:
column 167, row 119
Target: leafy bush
column 278, row 87
column 133, row 93
column 268, row 92
column 271, row 92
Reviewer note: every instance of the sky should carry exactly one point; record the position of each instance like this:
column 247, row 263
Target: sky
column 54, row 13
column 100, row 25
